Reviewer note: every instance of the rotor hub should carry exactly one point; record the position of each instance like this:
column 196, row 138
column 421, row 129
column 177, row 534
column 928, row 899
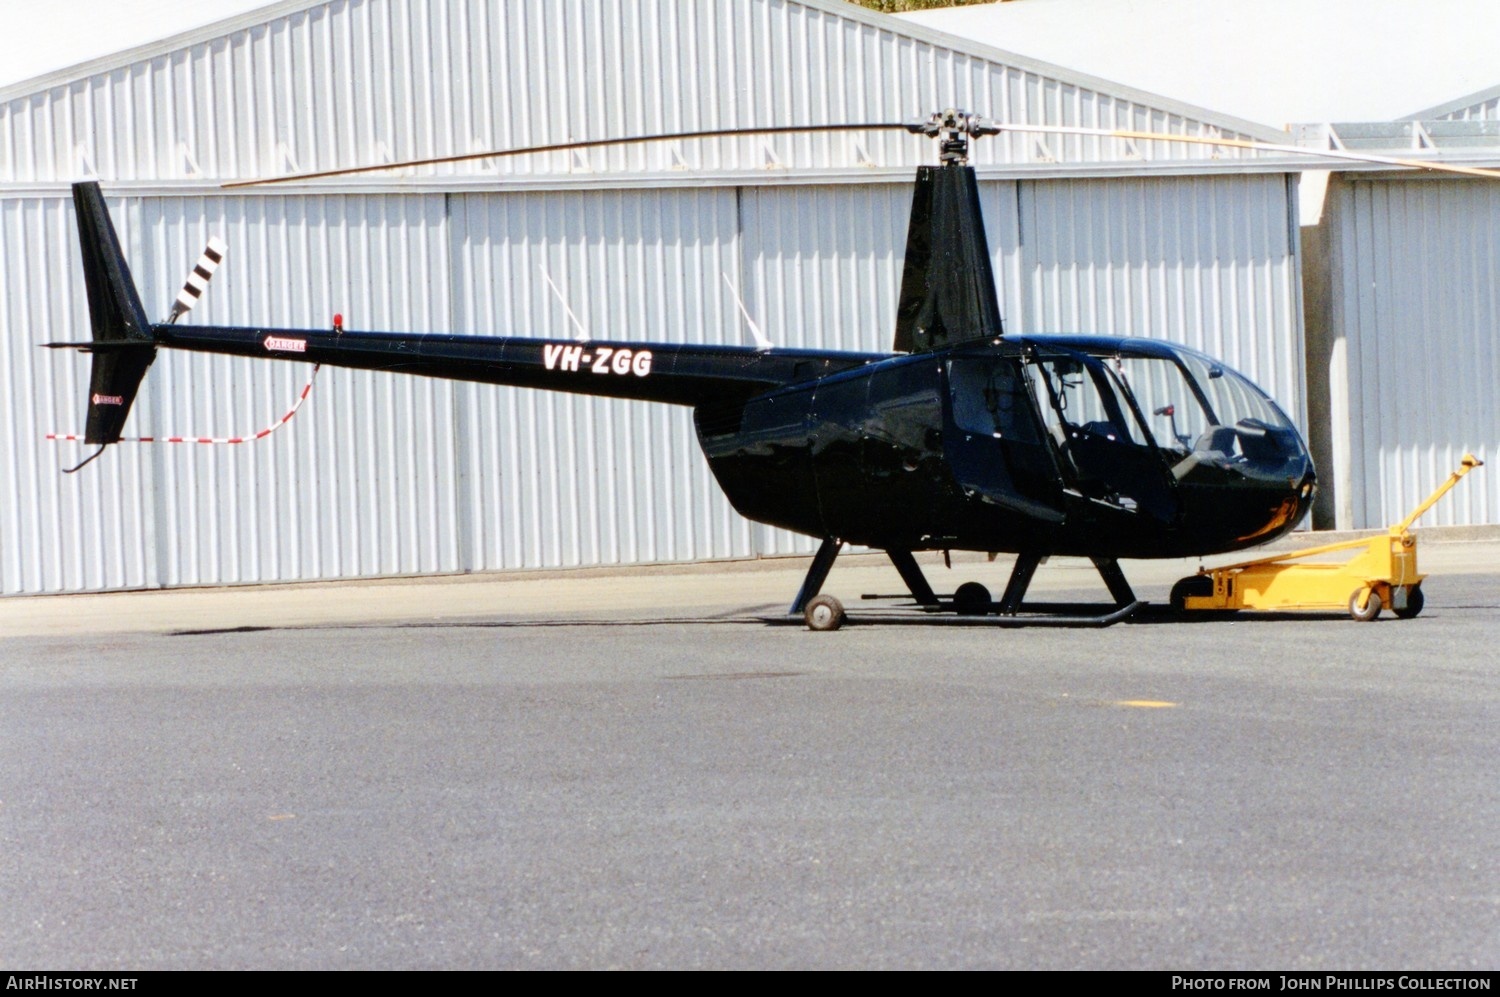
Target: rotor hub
column 953, row 129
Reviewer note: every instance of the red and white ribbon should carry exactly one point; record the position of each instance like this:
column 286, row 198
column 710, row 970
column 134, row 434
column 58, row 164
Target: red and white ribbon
column 306, row 390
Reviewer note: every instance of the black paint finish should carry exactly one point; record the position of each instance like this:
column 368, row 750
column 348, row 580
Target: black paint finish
column 947, row 287
column 123, row 348
column 961, row 439
column 893, row 455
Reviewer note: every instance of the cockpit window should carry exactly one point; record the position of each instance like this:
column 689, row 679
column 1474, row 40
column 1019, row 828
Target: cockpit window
column 1167, row 400
column 1076, row 397
column 1104, row 449
column 1233, row 398
column 1207, row 419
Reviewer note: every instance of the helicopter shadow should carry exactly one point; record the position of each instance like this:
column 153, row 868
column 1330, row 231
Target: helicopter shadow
column 1032, row 616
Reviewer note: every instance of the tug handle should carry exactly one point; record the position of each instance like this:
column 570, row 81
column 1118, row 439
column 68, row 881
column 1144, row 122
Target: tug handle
column 1465, row 466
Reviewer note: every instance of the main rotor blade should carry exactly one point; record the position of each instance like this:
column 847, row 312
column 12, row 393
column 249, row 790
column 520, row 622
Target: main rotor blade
column 571, row 146
column 1236, row 143
column 987, row 127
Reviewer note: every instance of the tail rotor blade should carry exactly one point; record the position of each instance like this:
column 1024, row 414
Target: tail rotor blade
column 198, row 279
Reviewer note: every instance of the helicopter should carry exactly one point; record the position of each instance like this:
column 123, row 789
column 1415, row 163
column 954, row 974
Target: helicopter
column 961, row 437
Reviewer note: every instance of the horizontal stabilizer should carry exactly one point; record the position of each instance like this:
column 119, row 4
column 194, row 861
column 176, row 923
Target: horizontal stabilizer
column 90, row 346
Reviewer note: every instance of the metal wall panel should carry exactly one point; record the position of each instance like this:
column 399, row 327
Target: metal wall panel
column 58, row 533
column 1415, row 322
column 361, row 483
column 555, row 479
column 823, row 263
column 1209, row 262
column 354, row 82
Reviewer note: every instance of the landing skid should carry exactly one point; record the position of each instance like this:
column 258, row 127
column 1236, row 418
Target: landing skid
column 970, row 605
column 1055, row 615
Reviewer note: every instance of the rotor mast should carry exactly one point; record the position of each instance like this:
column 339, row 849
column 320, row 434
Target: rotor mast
column 947, row 284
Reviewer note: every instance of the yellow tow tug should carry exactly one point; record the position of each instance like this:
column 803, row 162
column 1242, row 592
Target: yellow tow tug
column 1383, row 576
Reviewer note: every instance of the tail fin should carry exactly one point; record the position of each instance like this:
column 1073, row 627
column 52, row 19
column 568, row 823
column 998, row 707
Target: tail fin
column 122, row 344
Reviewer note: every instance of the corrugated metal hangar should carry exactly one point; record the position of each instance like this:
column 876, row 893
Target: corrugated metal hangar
column 1399, row 311
column 1401, row 320
column 385, row 475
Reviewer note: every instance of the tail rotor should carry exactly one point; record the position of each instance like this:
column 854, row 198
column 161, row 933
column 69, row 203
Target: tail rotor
column 198, row 278
column 123, row 342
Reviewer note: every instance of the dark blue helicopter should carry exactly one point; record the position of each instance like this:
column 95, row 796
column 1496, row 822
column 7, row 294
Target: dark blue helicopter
column 960, row 438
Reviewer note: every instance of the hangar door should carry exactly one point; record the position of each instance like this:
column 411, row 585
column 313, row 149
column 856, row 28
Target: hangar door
column 1412, row 348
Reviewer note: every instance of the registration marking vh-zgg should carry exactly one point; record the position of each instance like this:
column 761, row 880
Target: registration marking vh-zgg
column 599, row 360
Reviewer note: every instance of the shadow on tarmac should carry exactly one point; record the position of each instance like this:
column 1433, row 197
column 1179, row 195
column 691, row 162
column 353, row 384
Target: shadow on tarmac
column 1148, row 615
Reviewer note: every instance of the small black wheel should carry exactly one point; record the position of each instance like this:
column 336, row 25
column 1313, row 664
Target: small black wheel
column 972, row 599
column 824, row 612
column 1195, row 586
column 1371, row 608
column 1414, row 603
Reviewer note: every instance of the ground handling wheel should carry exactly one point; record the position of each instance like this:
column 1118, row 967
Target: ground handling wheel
column 1371, row 608
column 1414, row 603
column 972, row 599
column 824, row 612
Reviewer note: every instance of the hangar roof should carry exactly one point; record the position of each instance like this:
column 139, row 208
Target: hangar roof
column 306, row 85
column 1481, row 106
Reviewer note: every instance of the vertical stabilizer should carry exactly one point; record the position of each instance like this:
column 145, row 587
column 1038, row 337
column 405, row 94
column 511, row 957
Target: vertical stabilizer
column 122, row 344
column 947, row 285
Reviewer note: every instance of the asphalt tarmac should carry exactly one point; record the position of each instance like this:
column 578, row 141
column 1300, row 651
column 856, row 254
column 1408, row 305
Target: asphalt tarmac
column 601, row 770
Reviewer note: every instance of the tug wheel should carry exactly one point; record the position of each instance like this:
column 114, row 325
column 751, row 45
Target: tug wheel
column 971, row 599
column 1196, row 586
column 1414, row 603
column 824, row 612
column 1371, row 608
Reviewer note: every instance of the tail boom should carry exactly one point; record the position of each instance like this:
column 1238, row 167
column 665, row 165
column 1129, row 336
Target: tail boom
column 674, row 373
column 125, row 342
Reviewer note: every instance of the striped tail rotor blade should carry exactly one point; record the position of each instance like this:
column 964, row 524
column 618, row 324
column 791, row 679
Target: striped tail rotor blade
column 198, row 280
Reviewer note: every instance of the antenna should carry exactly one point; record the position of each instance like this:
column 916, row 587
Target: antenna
column 583, row 334
column 761, row 342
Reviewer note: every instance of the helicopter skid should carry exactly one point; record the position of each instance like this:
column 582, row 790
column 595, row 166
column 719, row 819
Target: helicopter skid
column 971, row 604
column 1042, row 614
column 1038, row 615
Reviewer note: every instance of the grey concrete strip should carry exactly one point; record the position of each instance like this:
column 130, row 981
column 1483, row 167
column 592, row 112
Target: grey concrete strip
column 679, row 592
